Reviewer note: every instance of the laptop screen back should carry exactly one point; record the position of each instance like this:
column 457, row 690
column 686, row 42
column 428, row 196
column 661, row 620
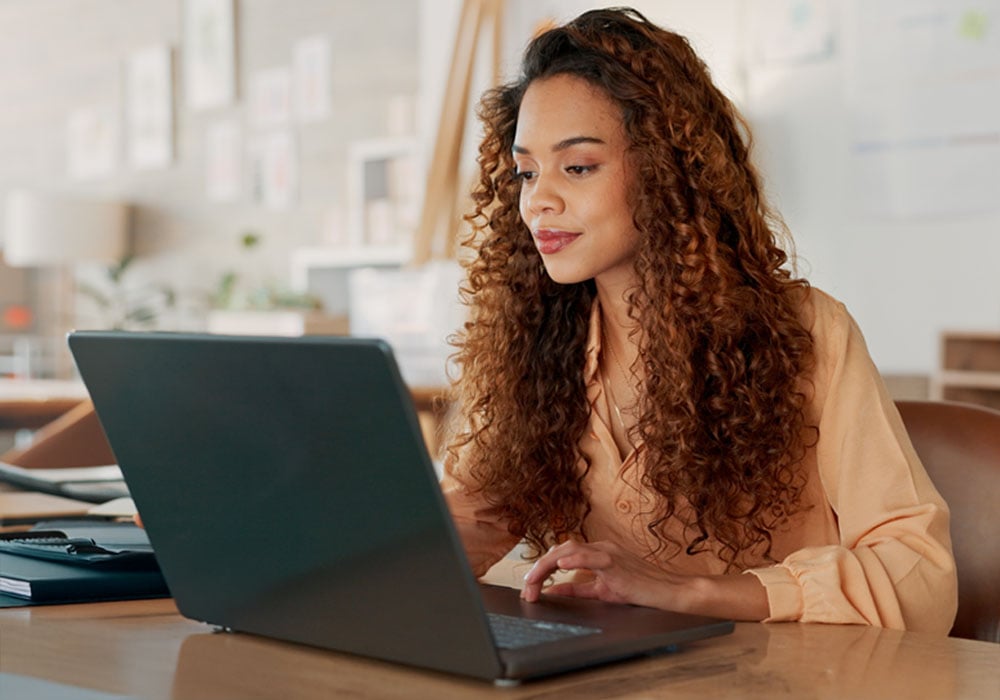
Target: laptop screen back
column 287, row 491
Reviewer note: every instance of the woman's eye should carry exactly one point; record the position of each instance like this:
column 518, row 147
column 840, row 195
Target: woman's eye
column 580, row 169
column 524, row 174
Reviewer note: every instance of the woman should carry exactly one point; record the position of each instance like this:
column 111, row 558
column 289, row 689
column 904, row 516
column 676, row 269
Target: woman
column 650, row 399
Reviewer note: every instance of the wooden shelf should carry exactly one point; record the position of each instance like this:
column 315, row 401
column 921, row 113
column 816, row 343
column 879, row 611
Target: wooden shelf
column 326, row 258
column 970, row 368
column 968, row 379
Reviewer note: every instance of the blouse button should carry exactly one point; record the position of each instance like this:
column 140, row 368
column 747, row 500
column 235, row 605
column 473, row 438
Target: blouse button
column 624, row 507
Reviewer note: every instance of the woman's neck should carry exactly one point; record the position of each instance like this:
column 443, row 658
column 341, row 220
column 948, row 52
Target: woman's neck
column 618, row 329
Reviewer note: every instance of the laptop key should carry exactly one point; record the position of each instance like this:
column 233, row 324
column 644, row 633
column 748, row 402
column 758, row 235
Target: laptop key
column 511, row 632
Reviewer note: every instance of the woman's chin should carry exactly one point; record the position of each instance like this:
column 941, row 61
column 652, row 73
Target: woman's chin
column 563, row 274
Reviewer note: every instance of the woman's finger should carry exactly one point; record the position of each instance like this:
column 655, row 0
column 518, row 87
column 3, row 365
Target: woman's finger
column 589, row 558
column 584, row 589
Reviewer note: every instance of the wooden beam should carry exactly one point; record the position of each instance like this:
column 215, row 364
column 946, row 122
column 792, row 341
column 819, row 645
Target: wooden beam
column 444, row 198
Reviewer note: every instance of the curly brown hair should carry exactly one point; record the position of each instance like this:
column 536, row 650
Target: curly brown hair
column 722, row 350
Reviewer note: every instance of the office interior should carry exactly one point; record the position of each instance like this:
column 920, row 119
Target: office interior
column 278, row 167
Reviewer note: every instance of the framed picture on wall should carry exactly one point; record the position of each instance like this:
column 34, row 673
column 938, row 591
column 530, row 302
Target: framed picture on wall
column 311, row 78
column 209, row 37
column 270, row 98
column 383, row 191
column 149, row 117
column 92, row 141
column 224, row 161
column 274, row 169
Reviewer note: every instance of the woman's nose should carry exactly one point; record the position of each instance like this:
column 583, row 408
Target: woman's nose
column 544, row 197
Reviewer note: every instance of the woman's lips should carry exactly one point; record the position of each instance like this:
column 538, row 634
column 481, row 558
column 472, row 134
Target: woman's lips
column 550, row 241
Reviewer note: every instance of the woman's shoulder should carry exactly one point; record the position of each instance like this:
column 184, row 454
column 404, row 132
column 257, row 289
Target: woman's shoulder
column 837, row 339
column 822, row 314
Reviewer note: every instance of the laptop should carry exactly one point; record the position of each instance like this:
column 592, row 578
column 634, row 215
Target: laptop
column 287, row 492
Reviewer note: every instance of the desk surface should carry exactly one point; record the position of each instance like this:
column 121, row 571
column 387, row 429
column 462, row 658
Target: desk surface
column 146, row 649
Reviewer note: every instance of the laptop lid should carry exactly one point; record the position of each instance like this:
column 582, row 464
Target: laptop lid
column 287, row 492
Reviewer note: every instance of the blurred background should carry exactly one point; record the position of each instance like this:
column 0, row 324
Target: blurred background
column 266, row 166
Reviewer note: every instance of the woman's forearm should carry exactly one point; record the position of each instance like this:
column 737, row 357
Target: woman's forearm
column 730, row 596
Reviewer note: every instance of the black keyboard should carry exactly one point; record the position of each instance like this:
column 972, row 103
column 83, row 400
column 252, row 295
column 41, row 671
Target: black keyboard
column 510, row 632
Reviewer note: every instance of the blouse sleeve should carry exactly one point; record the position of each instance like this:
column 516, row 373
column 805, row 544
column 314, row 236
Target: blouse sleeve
column 893, row 566
column 484, row 534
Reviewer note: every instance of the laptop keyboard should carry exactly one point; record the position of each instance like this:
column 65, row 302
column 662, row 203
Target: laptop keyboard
column 510, row 632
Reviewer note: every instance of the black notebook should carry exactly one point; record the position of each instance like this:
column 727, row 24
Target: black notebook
column 67, row 562
column 27, row 580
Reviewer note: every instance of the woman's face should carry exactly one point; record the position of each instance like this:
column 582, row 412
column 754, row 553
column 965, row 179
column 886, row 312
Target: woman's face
column 569, row 149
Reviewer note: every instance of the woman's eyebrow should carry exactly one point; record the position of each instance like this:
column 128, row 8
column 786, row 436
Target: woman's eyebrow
column 562, row 145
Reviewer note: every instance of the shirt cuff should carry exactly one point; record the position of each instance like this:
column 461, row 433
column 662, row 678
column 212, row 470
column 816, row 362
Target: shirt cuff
column 784, row 595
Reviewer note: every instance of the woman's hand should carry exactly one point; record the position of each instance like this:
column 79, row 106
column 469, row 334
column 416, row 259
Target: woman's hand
column 622, row 577
column 619, row 576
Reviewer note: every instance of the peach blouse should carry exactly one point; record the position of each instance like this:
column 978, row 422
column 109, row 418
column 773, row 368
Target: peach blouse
column 871, row 547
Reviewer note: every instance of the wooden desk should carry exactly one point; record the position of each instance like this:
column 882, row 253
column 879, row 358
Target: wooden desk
column 146, row 649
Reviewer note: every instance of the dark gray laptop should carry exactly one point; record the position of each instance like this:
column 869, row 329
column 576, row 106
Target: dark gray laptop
column 287, row 492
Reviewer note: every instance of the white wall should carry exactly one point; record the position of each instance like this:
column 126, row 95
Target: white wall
column 906, row 278
column 903, row 279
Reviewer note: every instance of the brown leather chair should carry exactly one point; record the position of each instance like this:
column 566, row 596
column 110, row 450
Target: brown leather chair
column 75, row 439
column 959, row 445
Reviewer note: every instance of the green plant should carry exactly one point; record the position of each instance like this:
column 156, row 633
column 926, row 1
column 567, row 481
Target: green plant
column 128, row 308
column 229, row 295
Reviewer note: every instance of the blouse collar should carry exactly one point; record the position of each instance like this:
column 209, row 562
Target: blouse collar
column 594, row 336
